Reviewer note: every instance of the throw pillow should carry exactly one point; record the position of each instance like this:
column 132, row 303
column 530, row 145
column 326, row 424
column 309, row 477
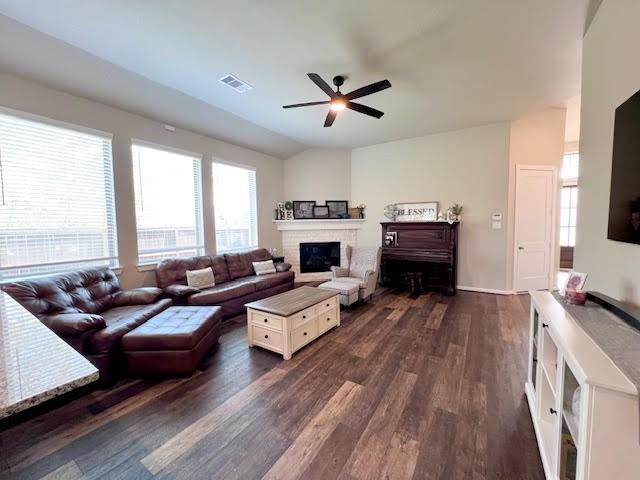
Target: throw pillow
column 201, row 278
column 262, row 268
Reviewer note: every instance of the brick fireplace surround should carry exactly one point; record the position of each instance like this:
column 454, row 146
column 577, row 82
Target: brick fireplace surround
column 295, row 232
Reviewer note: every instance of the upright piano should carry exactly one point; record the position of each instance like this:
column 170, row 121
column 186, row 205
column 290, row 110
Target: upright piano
column 427, row 249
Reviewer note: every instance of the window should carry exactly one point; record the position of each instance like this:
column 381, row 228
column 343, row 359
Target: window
column 234, row 200
column 570, row 165
column 568, row 214
column 56, row 197
column 168, row 199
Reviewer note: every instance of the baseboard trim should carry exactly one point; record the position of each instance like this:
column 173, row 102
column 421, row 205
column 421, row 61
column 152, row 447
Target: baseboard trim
column 486, row 290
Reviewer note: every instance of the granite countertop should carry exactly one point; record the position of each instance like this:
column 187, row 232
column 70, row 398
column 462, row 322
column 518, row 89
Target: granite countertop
column 35, row 364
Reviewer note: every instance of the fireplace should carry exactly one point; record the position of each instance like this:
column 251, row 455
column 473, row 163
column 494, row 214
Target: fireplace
column 319, row 256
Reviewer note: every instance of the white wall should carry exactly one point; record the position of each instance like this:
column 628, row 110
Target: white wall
column 610, row 75
column 468, row 166
column 475, row 167
column 536, row 139
column 318, row 174
column 21, row 94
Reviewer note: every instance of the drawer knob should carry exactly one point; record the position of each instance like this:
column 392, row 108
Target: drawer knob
column 553, row 412
column 304, row 333
column 266, row 336
column 328, row 304
column 328, row 319
column 545, row 325
column 304, row 316
column 265, row 320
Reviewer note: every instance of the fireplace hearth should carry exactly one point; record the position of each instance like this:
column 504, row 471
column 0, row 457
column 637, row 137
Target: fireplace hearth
column 319, row 256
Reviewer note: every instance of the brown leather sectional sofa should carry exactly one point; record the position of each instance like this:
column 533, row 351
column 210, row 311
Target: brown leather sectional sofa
column 90, row 311
column 236, row 281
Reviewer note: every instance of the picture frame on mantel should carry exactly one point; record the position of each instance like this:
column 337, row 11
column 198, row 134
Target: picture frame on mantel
column 338, row 208
column 320, row 211
column 417, row 212
column 303, row 209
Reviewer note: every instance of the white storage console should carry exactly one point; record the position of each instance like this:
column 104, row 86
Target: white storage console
column 585, row 411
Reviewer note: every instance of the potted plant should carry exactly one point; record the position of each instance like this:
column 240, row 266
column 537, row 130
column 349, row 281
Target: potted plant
column 456, row 211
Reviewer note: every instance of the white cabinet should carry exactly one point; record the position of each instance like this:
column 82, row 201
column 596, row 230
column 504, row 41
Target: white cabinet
column 585, row 411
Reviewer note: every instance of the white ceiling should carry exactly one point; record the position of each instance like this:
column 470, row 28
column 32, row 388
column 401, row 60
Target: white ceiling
column 452, row 63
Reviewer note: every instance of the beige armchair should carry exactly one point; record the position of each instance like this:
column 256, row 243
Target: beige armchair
column 362, row 269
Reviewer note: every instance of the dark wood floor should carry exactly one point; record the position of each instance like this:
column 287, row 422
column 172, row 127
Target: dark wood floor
column 427, row 388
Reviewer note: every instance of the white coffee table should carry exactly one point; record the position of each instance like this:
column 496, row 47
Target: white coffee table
column 287, row 322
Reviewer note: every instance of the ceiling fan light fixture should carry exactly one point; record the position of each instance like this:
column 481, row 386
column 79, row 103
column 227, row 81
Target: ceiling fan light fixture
column 337, row 105
column 339, row 101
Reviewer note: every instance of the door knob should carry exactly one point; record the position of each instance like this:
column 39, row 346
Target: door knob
column 520, row 248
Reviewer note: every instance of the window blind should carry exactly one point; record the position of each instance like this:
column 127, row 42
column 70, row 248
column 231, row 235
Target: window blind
column 56, row 198
column 234, row 199
column 168, row 203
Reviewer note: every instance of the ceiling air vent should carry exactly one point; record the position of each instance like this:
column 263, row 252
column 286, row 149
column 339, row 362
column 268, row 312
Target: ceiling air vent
column 235, row 83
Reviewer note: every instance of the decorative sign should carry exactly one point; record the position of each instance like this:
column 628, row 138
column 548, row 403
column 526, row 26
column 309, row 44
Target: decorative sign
column 417, row 212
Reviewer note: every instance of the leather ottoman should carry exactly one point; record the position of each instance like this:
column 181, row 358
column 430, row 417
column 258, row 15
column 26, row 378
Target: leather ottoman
column 173, row 342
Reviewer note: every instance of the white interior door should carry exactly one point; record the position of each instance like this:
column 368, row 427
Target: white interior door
column 534, row 230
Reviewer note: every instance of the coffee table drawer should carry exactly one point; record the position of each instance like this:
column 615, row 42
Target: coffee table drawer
column 303, row 317
column 304, row 334
column 260, row 318
column 328, row 304
column 267, row 338
column 327, row 320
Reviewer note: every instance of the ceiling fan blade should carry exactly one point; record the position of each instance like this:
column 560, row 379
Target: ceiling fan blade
column 324, row 86
column 368, row 89
column 331, row 116
column 295, row 105
column 364, row 109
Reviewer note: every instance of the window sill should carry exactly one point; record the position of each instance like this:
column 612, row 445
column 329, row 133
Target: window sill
column 146, row 267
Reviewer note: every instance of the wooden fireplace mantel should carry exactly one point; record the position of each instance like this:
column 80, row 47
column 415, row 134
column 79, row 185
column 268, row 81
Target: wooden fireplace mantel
column 320, row 224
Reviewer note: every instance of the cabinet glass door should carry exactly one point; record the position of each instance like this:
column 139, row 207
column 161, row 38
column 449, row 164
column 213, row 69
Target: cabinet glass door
column 534, row 351
column 569, row 441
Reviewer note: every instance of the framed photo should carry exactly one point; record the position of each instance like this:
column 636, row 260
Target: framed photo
column 417, row 212
column 338, row 208
column 303, row 209
column 575, row 281
column 391, row 239
column 320, row 211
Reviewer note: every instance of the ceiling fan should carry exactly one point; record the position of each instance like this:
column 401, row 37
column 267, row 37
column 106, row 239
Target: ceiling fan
column 339, row 101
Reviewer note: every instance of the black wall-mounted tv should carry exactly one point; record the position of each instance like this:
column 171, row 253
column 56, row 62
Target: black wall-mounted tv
column 624, row 200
